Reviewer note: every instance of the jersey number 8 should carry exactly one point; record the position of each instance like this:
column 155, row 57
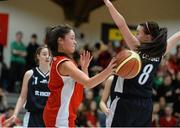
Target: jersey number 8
column 145, row 75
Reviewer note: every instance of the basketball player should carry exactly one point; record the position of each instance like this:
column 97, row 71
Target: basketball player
column 130, row 101
column 34, row 90
column 66, row 92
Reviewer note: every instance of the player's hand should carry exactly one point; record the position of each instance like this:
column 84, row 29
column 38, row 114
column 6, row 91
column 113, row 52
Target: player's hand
column 107, row 2
column 85, row 59
column 111, row 68
column 10, row 121
column 107, row 112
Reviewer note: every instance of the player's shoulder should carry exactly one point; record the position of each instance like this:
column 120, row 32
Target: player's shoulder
column 29, row 73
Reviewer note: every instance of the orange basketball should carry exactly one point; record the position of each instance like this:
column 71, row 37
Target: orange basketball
column 128, row 64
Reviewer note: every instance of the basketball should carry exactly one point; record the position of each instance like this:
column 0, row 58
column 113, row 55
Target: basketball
column 128, row 64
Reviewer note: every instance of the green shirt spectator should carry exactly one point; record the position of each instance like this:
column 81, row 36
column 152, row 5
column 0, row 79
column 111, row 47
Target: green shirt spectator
column 18, row 52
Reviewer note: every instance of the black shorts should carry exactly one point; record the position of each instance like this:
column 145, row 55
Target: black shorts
column 36, row 120
column 130, row 112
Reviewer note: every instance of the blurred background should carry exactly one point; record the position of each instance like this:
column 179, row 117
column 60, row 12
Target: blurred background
column 96, row 32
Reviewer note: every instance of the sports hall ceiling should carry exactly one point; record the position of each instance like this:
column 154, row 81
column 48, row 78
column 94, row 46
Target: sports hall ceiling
column 78, row 11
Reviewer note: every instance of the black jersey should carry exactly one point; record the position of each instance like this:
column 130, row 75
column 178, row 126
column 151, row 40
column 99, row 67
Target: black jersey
column 141, row 85
column 38, row 91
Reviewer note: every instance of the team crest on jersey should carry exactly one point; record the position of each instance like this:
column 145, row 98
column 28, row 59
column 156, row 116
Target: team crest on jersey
column 44, row 81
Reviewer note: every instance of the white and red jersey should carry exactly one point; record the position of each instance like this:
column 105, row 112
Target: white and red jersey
column 65, row 98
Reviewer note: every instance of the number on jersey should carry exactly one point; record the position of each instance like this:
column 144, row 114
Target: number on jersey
column 145, row 75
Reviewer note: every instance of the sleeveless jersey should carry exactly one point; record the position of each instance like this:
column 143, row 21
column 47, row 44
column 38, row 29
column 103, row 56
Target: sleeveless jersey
column 38, row 91
column 65, row 98
column 141, row 85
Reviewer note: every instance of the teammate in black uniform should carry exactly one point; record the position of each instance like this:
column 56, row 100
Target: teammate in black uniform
column 35, row 90
column 130, row 102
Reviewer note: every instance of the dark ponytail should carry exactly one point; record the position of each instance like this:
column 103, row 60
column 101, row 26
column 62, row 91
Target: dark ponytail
column 157, row 47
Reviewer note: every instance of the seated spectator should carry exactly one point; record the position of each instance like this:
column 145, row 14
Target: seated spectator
column 7, row 115
column 91, row 115
column 176, row 108
column 89, row 95
column 168, row 120
column 155, row 115
column 162, row 105
column 176, row 85
column 81, row 116
column 166, row 90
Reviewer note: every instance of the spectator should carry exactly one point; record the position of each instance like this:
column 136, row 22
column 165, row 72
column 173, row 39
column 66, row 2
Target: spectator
column 89, row 95
column 81, row 116
column 166, row 89
column 91, row 115
column 162, row 105
column 31, row 50
column 18, row 54
column 155, row 115
column 168, row 120
column 157, row 82
column 176, row 108
column 105, row 57
column 94, row 67
column 176, row 85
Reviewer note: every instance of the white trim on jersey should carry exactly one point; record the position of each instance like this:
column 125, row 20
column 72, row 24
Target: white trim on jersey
column 47, row 74
column 41, row 73
column 119, row 85
column 66, row 94
column 58, row 65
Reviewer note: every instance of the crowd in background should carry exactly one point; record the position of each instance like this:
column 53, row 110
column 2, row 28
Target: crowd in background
column 166, row 84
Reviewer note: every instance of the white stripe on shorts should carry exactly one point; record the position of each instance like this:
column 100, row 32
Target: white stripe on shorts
column 26, row 119
column 109, row 118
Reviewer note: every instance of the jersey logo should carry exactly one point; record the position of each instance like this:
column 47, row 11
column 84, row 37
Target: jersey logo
column 153, row 59
column 44, row 81
column 43, row 94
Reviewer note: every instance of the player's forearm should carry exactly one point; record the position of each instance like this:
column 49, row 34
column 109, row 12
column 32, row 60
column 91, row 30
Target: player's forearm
column 97, row 79
column 19, row 53
column 116, row 16
column 19, row 105
column 103, row 107
column 120, row 22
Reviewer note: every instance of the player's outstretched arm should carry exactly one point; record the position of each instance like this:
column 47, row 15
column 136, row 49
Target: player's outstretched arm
column 119, row 20
column 67, row 68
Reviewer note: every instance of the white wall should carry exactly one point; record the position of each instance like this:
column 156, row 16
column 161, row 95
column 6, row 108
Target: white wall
column 32, row 16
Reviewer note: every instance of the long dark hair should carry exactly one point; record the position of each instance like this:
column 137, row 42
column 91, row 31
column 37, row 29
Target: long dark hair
column 157, row 47
column 52, row 37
